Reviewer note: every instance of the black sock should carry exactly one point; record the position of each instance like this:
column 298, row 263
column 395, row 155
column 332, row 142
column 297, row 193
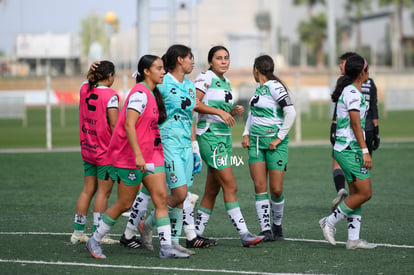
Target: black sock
column 339, row 179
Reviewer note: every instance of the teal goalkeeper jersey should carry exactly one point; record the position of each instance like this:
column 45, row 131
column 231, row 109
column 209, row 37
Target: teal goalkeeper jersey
column 179, row 99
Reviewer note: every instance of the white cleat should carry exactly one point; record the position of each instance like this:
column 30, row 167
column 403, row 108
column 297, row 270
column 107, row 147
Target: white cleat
column 328, row 230
column 182, row 249
column 168, row 252
column 79, row 239
column 355, row 244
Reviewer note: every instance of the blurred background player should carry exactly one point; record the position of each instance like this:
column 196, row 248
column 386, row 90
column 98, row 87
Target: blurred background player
column 266, row 136
column 98, row 113
column 372, row 138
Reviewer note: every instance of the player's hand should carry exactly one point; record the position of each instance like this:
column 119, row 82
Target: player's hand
column 333, row 133
column 246, row 141
column 228, row 118
column 94, row 65
column 274, row 143
column 140, row 163
column 238, row 110
column 377, row 140
column 367, row 160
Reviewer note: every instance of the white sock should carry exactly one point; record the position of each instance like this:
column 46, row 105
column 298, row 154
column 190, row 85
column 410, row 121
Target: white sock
column 336, row 216
column 263, row 213
column 101, row 231
column 354, row 226
column 188, row 219
column 277, row 211
column 201, row 221
column 138, row 210
column 164, row 234
column 237, row 220
column 97, row 217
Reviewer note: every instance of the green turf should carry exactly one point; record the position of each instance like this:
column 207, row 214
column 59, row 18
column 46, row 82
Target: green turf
column 39, row 193
column 65, row 129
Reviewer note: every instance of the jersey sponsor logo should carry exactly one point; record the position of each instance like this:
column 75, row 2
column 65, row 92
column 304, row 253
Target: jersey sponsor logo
column 87, row 131
column 173, row 91
column 90, row 120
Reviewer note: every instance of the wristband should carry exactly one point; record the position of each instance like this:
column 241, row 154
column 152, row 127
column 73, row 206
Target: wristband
column 194, row 146
column 365, row 151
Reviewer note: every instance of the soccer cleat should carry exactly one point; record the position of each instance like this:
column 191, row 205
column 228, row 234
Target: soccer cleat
column 168, row 251
column 342, row 194
column 94, row 247
column 132, row 243
column 200, row 242
column 328, row 230
column 267, row 236
column 277, row 232
column 248, row 239
column 146, row 235
column 78, row 239
column 193, row 199
column 354, row 244
column 182, row 249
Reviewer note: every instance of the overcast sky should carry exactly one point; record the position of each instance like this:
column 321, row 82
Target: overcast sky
column 57, row 16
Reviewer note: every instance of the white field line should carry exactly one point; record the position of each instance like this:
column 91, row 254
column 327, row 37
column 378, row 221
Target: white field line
column 142, row 267
column 216, row 238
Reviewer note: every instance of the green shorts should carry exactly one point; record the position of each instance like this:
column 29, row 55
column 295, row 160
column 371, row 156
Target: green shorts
column 179, row 164
column 215, row 150
column 131, row 176
column 275, row 159
column 100, row 171
column 351, row 163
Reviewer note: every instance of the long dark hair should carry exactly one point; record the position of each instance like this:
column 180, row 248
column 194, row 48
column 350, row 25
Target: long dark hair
column 213, row 50
column 146, row 62
column 265, row 65
column 103, row 70
column 173, row 52
column 354, row 65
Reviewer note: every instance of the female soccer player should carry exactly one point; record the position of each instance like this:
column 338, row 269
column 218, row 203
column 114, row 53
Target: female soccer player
column 266, row 135
column 351, row 152
column 180, row 151
column 215, row 118
column 98, row 113
column 137, row 156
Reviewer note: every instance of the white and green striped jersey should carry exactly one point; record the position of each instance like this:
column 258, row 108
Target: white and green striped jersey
column 350, row 99
column 266, row 113
column 217, row 94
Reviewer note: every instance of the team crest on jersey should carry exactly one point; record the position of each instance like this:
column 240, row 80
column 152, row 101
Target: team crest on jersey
column 191, row 92
column 132, row 175
column 265, row 90
column 206, row 85
column 173, row 178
